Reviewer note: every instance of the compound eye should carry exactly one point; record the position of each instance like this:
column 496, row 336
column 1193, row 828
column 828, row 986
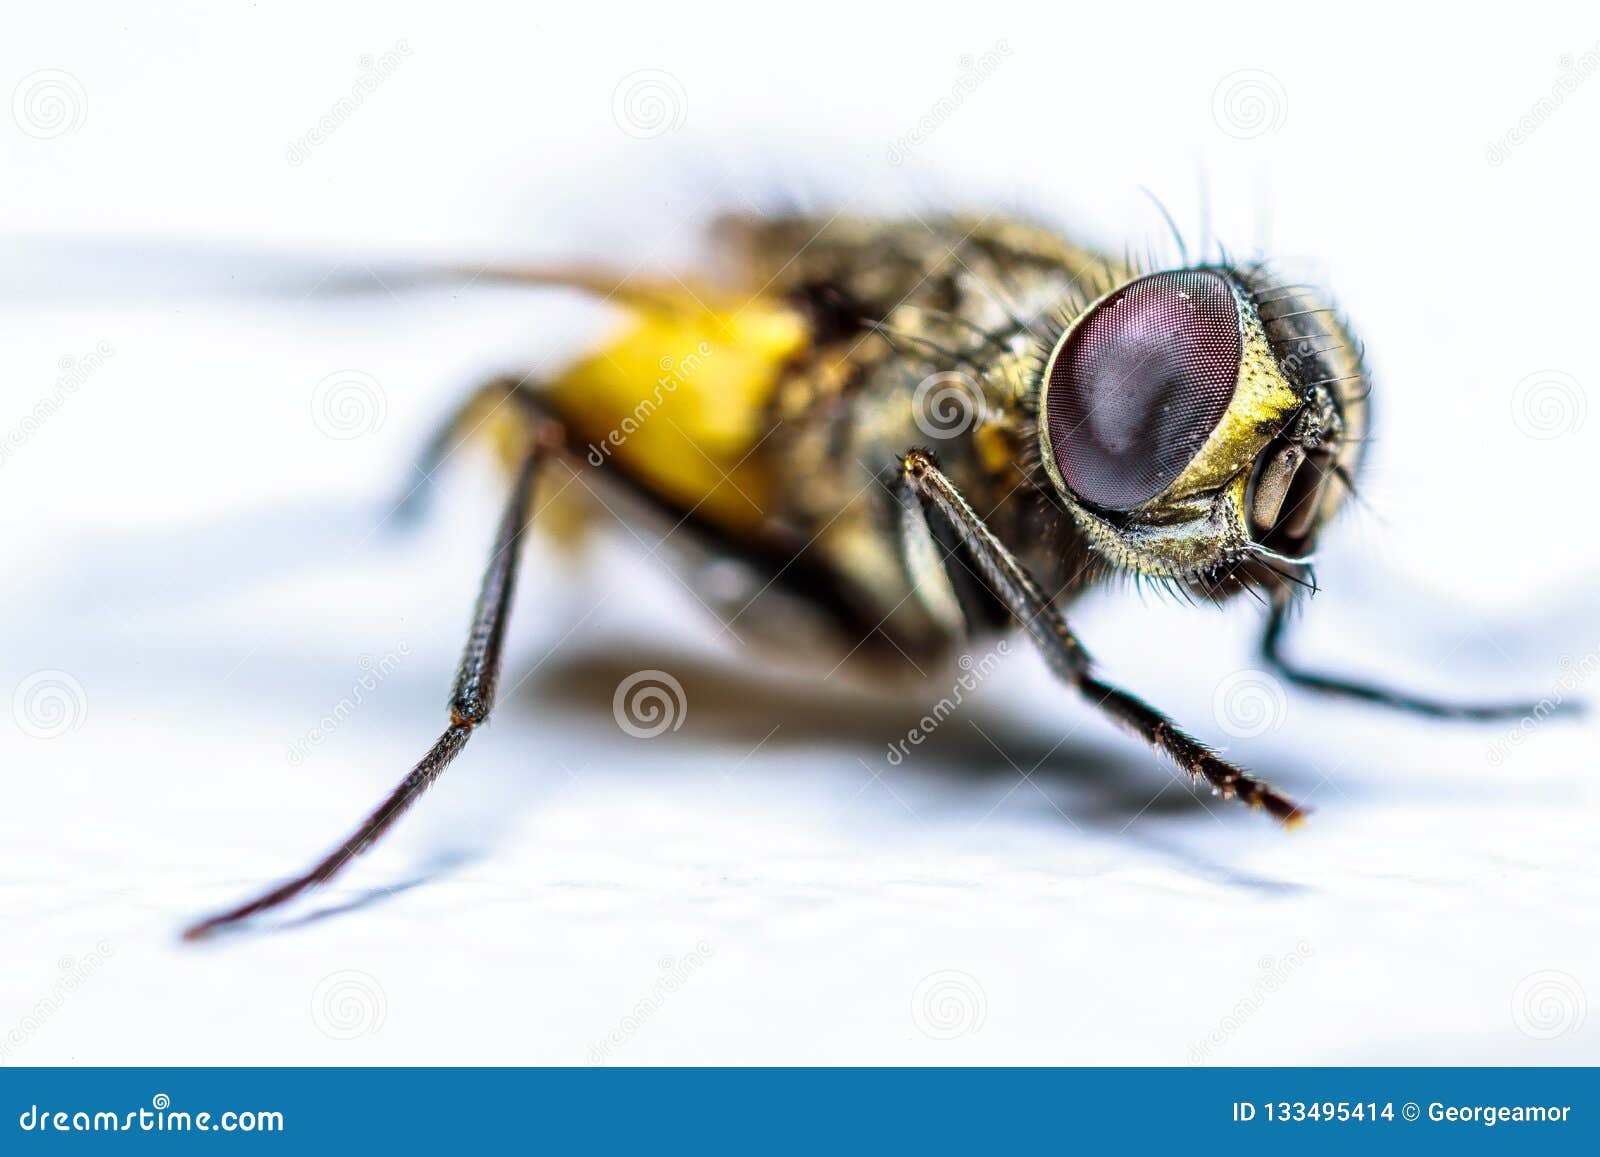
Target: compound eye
column 1137, row 386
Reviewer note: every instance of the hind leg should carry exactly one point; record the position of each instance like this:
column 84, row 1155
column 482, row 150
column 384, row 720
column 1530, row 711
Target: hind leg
column 471, row 698
column 500, row 406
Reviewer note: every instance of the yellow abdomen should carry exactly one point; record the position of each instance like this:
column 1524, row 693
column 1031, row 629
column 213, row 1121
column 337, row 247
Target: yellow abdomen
column 679, row 399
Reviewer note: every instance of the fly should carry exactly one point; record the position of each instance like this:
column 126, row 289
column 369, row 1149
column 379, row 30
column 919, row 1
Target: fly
column 929, row 432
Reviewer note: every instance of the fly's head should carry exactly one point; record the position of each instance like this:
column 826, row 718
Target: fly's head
column 1202, row 425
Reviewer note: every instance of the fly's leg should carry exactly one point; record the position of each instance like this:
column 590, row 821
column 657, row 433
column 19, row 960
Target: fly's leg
column 931, row 494
column 1272, row 652
column 484, row 404
column 470, row 700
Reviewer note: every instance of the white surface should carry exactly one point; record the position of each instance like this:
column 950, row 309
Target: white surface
column 208, row 566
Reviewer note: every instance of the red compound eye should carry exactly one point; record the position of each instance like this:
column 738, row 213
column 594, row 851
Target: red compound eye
column 1140, row 384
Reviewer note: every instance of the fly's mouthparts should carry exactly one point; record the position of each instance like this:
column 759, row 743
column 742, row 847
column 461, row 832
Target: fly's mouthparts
column 1286, row 495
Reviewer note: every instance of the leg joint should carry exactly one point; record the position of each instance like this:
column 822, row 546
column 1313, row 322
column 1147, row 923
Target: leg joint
column 469, row 710
column 917, row 463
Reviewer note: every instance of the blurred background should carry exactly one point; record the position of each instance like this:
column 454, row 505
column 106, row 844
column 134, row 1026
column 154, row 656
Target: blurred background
column 219, row 651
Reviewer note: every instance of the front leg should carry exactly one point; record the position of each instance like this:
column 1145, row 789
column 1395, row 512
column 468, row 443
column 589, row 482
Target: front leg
column 1272, row 652
column 933, row 495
